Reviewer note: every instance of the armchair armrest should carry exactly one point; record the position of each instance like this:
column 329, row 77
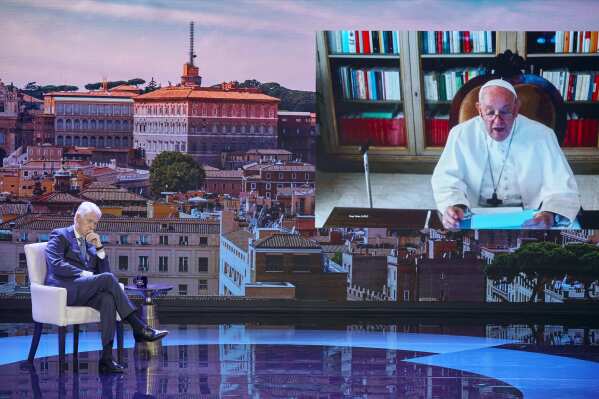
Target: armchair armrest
column 48, row 304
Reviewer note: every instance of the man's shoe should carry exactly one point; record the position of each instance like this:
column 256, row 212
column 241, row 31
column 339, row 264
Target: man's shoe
column 109, row 366
column 149, row 334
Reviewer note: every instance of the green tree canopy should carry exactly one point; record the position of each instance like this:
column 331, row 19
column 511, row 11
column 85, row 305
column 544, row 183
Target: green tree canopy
column 151, row 86
column 136, row 81
column 175, row 171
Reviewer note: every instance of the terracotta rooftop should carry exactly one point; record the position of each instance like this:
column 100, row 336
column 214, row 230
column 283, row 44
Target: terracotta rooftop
column 224, row 173
column 286, row 241
column 126, row 88
column 107, row 192
column 239, row 238
column 58, row 197
column 187, row 93
column 118, row 224
column 271, row 167
column 267, row 151
column 93, row 93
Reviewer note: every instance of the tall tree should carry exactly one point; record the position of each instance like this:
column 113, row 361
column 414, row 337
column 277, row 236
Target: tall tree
column 136, row 81
column 151, row 86
column 175, row 171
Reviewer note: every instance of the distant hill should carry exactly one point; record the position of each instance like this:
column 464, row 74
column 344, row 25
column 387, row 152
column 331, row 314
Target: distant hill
column 291, row 100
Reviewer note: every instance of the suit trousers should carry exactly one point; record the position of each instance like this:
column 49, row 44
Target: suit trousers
column 103, row 293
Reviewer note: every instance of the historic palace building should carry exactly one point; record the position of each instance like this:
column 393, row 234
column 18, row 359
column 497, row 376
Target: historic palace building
column 203, row 121
column 99, row 118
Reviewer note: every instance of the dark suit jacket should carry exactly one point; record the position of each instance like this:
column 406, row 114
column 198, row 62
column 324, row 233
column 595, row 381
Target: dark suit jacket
column 63, row 259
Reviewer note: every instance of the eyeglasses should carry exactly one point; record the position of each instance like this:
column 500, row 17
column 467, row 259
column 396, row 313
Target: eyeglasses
column 504, row 115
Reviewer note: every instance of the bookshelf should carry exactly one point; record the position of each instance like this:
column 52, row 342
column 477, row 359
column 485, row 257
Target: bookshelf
column 424, row 104
column 570, row 61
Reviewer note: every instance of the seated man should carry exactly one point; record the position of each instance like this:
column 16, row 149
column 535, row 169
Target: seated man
column 504, row 159
column 77, row 261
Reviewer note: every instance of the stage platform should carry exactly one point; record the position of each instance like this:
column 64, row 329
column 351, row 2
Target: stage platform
column 266, row 358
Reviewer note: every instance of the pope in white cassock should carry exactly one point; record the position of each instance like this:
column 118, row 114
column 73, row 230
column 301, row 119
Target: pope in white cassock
column 504, row 159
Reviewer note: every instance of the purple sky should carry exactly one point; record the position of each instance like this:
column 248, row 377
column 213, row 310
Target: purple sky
column 77, row 42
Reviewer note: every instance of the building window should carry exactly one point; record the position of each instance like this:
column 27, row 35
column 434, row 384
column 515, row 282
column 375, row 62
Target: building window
column 280, row 176
column 182, row 289
column 203, row 240
column 163, row 240
column 22, row 260
column 183, row 240
column 183, row 264
column 123, row 262
column 104, row 238
column 406, row 295
column 202, row 286
column 163, row 263
column 301, row 263
column 274, row 263
column 253, row 186
column 268, row 186
column 124, row 239
column 202, row 265
column 24, row 236
column 144, row 265
column 144, row 240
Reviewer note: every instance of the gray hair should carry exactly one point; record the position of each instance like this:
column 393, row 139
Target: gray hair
column 86, row 208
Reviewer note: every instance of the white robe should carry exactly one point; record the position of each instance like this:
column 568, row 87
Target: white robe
column 541, row 175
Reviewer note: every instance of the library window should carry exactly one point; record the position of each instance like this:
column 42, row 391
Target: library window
column 144, row 239
column 183, row 264
column 124, row 239
column 163, row 240
column 123, row 262
column 163, row 263
column 143, row 265
column 203, row 265
column 274, row 263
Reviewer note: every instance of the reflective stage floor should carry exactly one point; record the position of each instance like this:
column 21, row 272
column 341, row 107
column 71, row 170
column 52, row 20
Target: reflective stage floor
column 414, row 360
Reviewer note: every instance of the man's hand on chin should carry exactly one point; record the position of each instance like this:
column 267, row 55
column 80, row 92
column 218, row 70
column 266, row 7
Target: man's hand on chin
column 452, row 217
column 540, row 220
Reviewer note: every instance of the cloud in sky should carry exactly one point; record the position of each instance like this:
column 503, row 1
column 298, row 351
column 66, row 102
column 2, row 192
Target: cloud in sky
column 62, row 41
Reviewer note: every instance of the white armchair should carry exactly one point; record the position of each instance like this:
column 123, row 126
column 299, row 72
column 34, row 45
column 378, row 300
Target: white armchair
column 49, row 306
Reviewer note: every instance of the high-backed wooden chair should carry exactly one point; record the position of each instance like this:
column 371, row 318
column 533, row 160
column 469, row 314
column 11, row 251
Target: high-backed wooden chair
column 539, row 99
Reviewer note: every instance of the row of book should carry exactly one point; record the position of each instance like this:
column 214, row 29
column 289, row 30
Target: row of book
column 581, row 132
column 370, row 83
column 576, row 42
column 574, row 86
column 437, row 130
column 442, row 86
column 457, row 42
column 383, row 129
column 363, row 42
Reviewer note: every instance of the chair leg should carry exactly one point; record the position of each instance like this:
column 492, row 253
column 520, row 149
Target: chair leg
column 119, row 340
column 75, row 340
column 35, row 341
column 62, row 336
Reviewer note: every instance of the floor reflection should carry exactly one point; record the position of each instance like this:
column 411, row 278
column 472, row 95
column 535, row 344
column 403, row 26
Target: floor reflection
column 261, row 371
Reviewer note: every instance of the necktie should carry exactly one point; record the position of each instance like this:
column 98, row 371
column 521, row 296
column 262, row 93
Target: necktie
column 83, row 249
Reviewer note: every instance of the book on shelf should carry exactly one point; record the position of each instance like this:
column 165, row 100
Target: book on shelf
column 373, row 128
column 363, row 42
column 574, row 85
column 437, row 130
column 581, row 132
column 376, row 84
column 443, row 85
column 456, row 42
column 563, row 42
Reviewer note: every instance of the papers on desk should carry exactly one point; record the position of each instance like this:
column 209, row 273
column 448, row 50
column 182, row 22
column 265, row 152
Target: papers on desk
column 503, row 218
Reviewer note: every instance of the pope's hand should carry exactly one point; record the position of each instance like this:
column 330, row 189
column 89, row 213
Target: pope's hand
column 540, row 220
column 86, row 273
column 94, row 238
column 452, row 217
